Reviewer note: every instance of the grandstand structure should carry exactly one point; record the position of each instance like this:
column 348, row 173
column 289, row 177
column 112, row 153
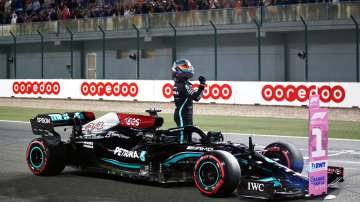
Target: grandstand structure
column 300, row 42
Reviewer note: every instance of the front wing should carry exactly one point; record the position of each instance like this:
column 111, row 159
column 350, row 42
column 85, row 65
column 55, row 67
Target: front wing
column 272, row 188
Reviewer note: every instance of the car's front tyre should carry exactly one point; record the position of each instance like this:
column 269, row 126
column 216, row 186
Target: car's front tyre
column 45, row 158
column 286, row 154
column 217, row 173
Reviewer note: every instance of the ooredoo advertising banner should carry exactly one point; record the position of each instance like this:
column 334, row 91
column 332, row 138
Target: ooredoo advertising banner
column 318, row 147
column 331, row 94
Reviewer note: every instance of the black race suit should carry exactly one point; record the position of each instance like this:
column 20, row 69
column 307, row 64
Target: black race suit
column 184, row 96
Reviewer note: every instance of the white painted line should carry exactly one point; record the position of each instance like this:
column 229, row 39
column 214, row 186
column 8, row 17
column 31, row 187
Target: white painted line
column 348, row 168
column 291, row 137
column 242, row 134
column 343, row 152
column 8, row 121
column 346, row 162
column 262, row 135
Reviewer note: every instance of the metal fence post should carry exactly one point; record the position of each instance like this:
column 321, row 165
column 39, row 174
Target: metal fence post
column 258, row 37
column 103, row 51
column 261, row 14
column 42, row 53
column 357, row 46
column 215, row 49
column 306, row 48
column 137, row 52
column 14, row 60
column 71, row 52
column 174, row 56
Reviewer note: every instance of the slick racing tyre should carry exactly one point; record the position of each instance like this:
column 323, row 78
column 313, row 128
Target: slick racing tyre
column 286, row 154
column 217, row 173
column 45, row 157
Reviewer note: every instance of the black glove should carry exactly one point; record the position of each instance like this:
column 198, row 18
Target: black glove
column 202, row 80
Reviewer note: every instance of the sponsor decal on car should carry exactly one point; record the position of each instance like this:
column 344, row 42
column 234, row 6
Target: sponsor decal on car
column 142, row 155
column 109, row 89
column 199, row 148
column 337, row 171
column 43, row 120
column 98, row 126
column 126, row 153
column 58, row 117
column 255, row 186
column 89, row 145
column 65, row 116
column 213, row 91
column 131, row 121
column 302, row 93
column 112, row 134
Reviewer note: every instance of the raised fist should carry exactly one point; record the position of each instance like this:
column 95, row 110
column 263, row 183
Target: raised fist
column 202, row 80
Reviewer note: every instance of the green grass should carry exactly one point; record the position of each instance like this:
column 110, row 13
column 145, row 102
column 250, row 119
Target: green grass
column 275, row 126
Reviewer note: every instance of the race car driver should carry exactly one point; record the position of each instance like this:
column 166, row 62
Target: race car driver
column 182, row 71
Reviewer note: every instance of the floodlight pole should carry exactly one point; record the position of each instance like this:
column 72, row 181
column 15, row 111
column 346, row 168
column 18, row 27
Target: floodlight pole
column 137, row 52
column 258, row 27
column 215, row 49
column 306, row 48
column 14, row 60
column 357, row 46
column 42, row 53
column 71, row 52
column 103, row 51
column 174, row 42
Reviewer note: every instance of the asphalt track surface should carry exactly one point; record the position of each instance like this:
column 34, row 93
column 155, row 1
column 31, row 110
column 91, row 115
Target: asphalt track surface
column 18, row 184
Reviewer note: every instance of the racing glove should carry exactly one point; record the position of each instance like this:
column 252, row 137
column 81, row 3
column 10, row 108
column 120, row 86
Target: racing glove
column 202, row 80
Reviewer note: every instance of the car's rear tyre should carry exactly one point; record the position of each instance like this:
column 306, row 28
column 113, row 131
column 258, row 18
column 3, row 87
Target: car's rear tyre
column 217, row 173
column 45, row 157
column 286, row 154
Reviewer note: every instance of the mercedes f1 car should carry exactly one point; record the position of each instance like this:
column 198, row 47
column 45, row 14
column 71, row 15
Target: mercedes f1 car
column 134, row 146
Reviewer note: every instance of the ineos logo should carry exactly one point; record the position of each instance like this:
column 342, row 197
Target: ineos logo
column 109, row 89
column 36, row 87
column 214, row 91
column 302, row 93
column 132, row 121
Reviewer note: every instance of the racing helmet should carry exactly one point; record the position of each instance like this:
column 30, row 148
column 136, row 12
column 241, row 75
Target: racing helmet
column 182, row 69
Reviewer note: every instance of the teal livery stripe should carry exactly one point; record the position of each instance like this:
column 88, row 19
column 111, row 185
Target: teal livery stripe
column 125, row 165
column 182, row 122
column 276, row 182
column 177, row 157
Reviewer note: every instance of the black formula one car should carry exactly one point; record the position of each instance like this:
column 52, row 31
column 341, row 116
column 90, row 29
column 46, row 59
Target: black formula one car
column 131, row 145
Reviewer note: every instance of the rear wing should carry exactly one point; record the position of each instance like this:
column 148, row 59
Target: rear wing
column 44, row 123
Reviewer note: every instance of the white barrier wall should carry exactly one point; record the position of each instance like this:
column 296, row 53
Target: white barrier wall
column 332, row 94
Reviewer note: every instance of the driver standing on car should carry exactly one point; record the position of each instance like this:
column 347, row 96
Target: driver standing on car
column 182, row 71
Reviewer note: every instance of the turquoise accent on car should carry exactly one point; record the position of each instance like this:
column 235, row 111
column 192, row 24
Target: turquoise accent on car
column 65, row 116
column 177, row 157
column 125, row 165
column 269, row 160
column 142, row 155
column 276, row 182
column 182, row 122
column 42, row 157
column 217, row 172
column 243, row 161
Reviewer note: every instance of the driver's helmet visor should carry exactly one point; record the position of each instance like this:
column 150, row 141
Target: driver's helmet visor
column 183, row 66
